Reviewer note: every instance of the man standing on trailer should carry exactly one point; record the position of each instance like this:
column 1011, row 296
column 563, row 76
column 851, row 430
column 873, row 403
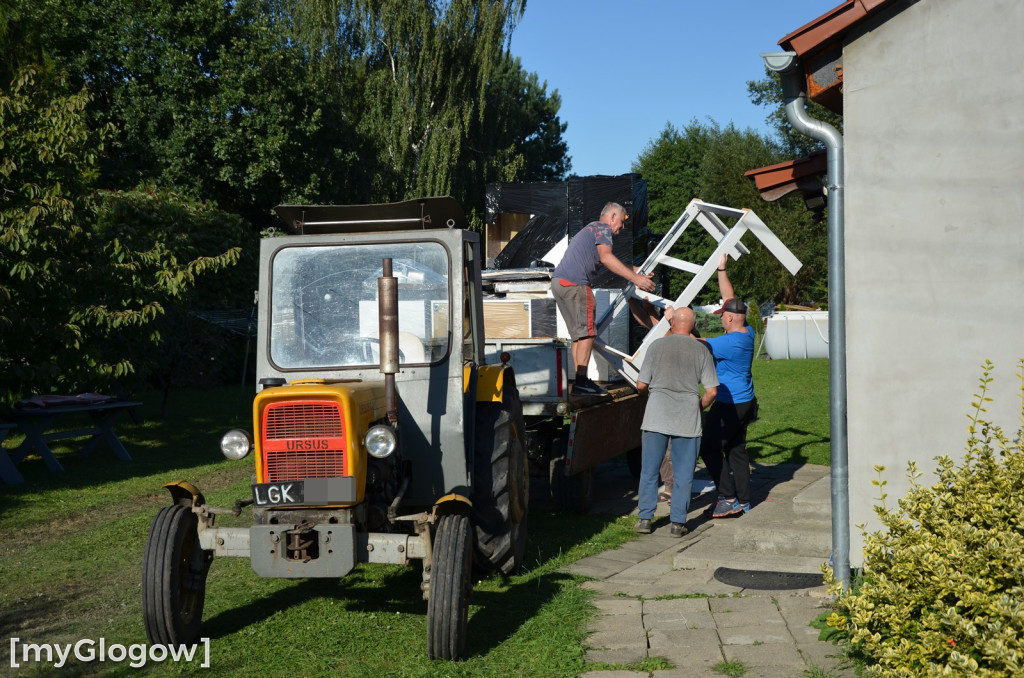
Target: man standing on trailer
column 571, row 287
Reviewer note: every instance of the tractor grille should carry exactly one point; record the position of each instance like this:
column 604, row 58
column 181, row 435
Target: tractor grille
column 303, row 439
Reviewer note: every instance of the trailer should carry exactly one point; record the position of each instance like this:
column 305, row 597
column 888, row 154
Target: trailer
column 568, row 437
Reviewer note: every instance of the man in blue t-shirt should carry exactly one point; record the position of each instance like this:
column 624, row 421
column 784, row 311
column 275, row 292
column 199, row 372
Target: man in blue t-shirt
column 724, row 443
column 570, row 286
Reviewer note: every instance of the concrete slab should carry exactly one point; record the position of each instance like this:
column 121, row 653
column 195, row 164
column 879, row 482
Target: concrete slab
column 676, row 605
column 768, row 631
column 692, row 650
column 646, row 547
column 626, row 637
column 694, row 583
column 613, row 624
column 618, row 606
column 687, row 672
column 652, row 568
column 597, row 567
column 618, row 656
column 757, row 634
column 627, row 556
column 753, row 608
column 679, row 621
column 768, row 654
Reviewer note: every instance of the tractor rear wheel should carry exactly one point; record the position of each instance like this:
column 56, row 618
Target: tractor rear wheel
column 501, row 485
column 174, row 570
column 450, row 584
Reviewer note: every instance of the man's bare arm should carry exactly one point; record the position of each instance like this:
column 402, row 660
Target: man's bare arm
column 612, row 263
column 723, row 279
column 709, row 397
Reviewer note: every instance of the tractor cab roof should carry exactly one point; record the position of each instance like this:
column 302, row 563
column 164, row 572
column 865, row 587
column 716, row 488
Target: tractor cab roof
column 421, row 213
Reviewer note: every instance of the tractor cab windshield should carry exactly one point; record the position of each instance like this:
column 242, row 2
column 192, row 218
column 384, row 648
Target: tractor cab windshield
column 324, row 311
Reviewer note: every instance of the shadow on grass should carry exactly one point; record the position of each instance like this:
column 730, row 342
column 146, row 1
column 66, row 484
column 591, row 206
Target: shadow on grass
column 168, row 447
column 398, row 593
column 791, row 449
column 503, row 604
column 502, row 613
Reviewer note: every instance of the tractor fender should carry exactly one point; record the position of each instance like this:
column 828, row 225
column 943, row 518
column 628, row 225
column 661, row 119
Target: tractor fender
column 452, row 504
column 185, row 493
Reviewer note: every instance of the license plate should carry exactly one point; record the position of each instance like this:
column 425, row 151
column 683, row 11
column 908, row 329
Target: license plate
column 279, row 494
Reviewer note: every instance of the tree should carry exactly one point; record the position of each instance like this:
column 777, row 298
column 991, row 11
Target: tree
column 145, row 233
column 257, row 102
column 518, row 138
column 74, row 290
column 707, row 162
column 20, row 43
column 520, row 114
column 211, row 98
column 428, row 69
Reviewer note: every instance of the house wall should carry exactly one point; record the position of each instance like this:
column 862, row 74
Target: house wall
column 934, row 140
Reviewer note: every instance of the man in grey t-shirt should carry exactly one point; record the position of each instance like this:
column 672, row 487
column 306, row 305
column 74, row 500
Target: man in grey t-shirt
column 589, row 250
column 674, row 369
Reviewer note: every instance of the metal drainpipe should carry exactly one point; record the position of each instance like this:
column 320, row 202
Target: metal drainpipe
column 786, row 65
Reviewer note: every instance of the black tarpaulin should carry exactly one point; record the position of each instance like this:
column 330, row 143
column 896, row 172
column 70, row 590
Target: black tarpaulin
column 563, row 208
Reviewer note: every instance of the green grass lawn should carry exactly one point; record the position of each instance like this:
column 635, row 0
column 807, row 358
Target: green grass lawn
column 72, row 545
column 793, row 423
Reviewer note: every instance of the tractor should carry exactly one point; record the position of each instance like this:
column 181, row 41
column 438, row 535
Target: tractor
column 379, row 434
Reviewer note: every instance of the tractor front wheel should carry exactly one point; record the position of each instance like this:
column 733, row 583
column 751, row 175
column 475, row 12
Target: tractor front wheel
column 174, row 570
column 450, row 584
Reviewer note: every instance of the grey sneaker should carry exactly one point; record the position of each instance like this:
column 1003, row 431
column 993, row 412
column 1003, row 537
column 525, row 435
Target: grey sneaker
column 643, row 526
column 678, row 530
column 726, row 508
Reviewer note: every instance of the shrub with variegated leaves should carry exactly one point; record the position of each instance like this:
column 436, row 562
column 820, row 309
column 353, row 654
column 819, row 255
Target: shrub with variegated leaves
column 942, row 591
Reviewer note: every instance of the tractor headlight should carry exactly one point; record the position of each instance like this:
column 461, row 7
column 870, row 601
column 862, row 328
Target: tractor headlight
column 235, row 444
column 380, row 441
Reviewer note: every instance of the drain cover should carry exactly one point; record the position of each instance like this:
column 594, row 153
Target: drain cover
column 770, row 581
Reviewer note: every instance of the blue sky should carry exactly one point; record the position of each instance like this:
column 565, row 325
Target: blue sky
column 625, row 68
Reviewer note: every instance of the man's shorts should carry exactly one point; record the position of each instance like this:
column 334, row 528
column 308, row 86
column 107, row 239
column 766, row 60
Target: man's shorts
column 576, row 304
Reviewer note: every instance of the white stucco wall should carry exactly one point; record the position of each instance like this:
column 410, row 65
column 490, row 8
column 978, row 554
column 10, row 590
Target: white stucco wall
column 934, row 138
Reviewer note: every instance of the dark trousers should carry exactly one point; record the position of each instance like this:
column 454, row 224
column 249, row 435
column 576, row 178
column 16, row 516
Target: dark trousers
column 723, row 447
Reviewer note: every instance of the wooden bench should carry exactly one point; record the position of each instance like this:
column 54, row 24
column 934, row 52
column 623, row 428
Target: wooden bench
column 36, row 423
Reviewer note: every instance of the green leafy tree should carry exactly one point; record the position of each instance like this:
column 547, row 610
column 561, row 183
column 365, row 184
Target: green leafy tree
column 518, row 138
column 428, row 66
column 257, row 102
column 20, row 42
column 444, row 108
column 148, row 235
column 520, row 114
column 75, row 290
column 212, row 98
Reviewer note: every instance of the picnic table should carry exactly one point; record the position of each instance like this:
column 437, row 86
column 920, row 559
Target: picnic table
column 37, row 418
column 8, row 471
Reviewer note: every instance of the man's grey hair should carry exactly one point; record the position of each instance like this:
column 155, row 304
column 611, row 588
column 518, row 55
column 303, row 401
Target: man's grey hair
column 613, row 206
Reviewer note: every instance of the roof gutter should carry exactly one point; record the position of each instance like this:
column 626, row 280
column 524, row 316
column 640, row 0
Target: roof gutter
column 787, row 65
